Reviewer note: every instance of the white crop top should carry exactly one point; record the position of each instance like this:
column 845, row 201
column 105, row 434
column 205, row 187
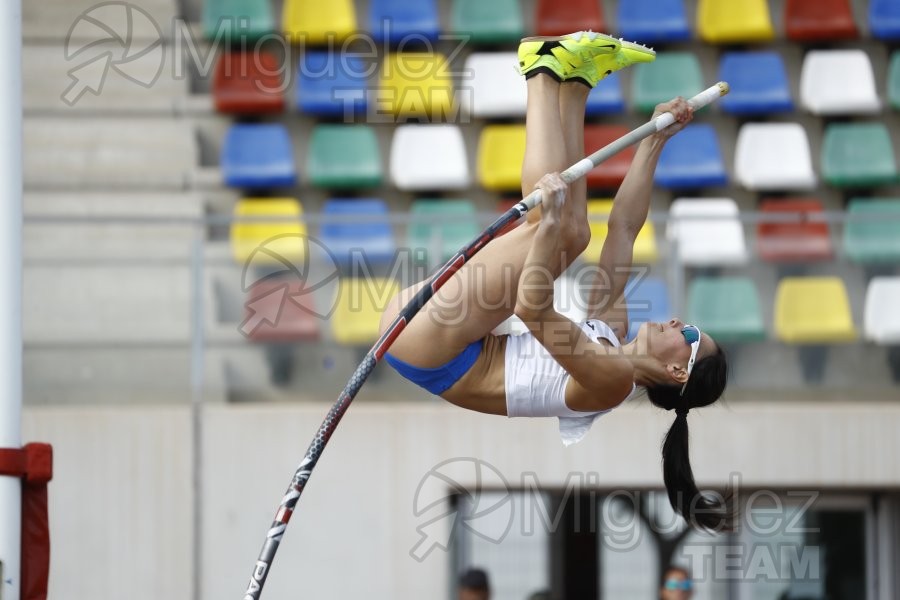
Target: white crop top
column 536, row 384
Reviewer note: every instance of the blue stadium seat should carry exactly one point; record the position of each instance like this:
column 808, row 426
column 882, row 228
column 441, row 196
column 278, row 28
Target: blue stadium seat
column 369, row 238
column 395, row 20
column 331, row 84
column 758, row 81
column 606, row 97
column 258, row 156
column 884, row 19
column 692, row 159
column 648, row 300
column 653, row 21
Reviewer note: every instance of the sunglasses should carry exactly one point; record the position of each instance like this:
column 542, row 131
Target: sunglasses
column 684, row 585
column 691, row 335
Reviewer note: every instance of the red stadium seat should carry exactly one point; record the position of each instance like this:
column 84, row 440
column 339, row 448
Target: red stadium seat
column 279, row 310
column 819, row 20
column 793, row 242
column 611, row 172
column 559, row 18
column 248, row 83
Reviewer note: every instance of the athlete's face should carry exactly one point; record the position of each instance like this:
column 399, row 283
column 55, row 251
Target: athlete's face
column 666, row 343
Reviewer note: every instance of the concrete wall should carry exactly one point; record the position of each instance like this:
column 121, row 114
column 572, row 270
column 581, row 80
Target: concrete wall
column 121, row 498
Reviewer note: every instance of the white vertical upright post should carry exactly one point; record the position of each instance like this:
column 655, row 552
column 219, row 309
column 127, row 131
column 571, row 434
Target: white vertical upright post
column 10, row 286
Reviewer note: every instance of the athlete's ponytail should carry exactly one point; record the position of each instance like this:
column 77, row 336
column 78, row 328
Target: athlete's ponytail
column 706, row 384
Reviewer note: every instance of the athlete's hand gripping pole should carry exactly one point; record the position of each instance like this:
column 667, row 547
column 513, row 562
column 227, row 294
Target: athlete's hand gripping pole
column 326, row 429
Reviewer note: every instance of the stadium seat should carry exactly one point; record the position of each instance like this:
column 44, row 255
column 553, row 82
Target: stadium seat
column 401, row 20
column 884, row 19
column 796, row 241
column 258, row 155
column 233, row 20
column 645, row 251
column 441, row 225
column 734, row 21
column 648, row 301
column 727, row 308
column 415, row 84
column 560, row 18
column 706, row 232
column 314, row 22
column 249, row 83
column 858, row 155
column 692, row 159
column 610, row 173
column 875, row 237
column 249, row 236
column 835, row 82
column 881, row 322
column 492, row 22
column 813, row 310
column 758, row 82
column 286, row 311
column 773, row 156
column 330, row 84
column 429, row 157
column 369, row 238
column 671, row 74
column 344, row 157
column 358, row 309
column 606, row 97
column 893, row 83
column 652, row 21
column 493, row 86
column 500, row 154
column 819, row 20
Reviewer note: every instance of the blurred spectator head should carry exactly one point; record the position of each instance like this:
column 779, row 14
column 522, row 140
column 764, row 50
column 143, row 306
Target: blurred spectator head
column 676, row 584
column 474, row 585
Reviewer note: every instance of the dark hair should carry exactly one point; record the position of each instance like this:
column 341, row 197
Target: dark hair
column 475, row 579
column 705, row 385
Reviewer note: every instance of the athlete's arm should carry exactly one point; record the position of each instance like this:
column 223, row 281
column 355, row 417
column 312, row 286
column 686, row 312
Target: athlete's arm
column 629, row 212
column 595, row 367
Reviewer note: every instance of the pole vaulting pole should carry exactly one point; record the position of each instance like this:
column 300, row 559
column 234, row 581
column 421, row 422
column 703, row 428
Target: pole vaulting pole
column 10, row 288
column 326, row 429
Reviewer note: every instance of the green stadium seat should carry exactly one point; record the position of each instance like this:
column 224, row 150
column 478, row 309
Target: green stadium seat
column 858, row 155
column 344, row 157
column 442, row 224
column 727, row 308
column 671, row 74
column 875, row 239
column 490, row 22
column 894, row 81
column 237, row 19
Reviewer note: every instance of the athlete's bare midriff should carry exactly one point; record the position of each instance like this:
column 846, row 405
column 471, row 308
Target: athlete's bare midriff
column 483, row 387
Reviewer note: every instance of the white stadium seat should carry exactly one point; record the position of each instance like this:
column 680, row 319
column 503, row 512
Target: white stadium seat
column 882, row 317
column 715, row 237
column 492, row 86
column 836, row 82
column 429, row 157
column 773, row 156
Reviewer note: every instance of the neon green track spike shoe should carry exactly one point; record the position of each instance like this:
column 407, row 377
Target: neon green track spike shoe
column 628, row 54
column 565, row 54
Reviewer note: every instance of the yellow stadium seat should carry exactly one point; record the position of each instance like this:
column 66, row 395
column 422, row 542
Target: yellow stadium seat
column 813, row 310
column 265, row 243
column 359, row 307
column 317, row 22
column 644, row 246
column 726, row 21
column 415, row 84
column 500, row 154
